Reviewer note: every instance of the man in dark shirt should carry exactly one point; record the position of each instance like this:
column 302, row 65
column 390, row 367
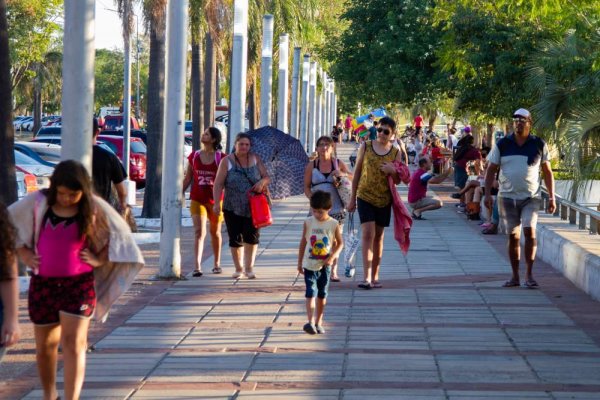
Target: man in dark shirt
column 107, row 169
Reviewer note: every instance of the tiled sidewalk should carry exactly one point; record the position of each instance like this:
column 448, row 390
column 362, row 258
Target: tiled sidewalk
column 441, row 328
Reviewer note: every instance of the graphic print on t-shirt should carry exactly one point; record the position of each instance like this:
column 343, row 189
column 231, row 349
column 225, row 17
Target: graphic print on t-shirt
column 320, row 246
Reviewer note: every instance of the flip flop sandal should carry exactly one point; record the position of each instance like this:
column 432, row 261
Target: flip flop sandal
column 511, row 283
column 531, row 284
column 492, row 230
column 217, row 270
column 250, row 275
column 335, row 279
column 365, row 285
column 377, row 285
column 197, row 274
column 420, row 217
column 237, row 275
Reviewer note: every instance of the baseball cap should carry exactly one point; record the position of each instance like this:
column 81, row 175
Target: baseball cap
column 467, row 129
column 521, row 112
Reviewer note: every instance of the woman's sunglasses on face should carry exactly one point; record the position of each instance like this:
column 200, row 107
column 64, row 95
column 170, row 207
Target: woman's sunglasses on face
column 385, row 131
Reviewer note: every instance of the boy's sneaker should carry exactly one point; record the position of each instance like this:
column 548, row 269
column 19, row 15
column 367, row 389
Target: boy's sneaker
column 320, row 329
column 350, row 271
column 309, row 328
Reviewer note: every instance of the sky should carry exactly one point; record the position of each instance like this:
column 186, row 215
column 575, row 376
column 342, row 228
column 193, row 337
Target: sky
column 108, row 24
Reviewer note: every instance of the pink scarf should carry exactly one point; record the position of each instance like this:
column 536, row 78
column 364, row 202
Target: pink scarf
column 402, row 219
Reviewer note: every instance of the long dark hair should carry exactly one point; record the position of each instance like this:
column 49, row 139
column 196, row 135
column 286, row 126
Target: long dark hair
column 73, row 175
column 215, row 134
column 8, row 236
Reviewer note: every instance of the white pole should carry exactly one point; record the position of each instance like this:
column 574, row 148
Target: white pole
column 327, row 115
column 78, row 81
column 319, row 111
column 266, row 72
column 333, row 105
column 174, row 121
column 304, row 102
column 239, row 62
column 129, row 184
column 324, row 128
column 312, row 107
column 282, row 102
column 138, row 113
column 295, row 89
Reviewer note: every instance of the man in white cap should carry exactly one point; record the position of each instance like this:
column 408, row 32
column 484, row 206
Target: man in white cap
column 519, row 156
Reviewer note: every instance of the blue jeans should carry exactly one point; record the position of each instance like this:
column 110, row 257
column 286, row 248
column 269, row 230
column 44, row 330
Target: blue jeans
column 317, row 282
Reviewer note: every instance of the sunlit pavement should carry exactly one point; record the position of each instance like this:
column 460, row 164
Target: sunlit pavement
column 440, row 328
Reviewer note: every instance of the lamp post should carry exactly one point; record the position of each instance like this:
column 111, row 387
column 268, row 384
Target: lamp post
column 174, row 121
column 304, row 102
column 266, row 71
column 78, row 81
column 282, row 101
column 312, row 107
column 239, row 63
column 295, row 89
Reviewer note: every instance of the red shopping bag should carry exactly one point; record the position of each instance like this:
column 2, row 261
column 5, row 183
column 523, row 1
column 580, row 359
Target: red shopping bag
column 260, row 209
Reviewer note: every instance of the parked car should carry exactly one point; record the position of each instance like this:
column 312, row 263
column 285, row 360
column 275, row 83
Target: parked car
column 138, row 133
column 115, row 122
column 26, row 183
column 44, row 153
column 137, row 156
column 56, row 140
column 28, row 165
column 49, row 131
column 18, row 125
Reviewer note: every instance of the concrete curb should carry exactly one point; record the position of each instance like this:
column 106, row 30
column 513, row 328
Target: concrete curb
column 573, row 252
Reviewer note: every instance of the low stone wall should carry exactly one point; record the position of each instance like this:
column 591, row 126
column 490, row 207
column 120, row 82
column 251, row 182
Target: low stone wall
column 571, row 251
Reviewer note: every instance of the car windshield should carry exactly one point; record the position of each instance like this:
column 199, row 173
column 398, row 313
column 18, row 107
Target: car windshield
column 113, row 123
column 22, row 159
column 138, row 147
column 188, row 125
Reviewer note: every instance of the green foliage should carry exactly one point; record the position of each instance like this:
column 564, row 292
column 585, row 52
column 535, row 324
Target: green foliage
column 387, row 53
column 109, row 78
column 33, row 27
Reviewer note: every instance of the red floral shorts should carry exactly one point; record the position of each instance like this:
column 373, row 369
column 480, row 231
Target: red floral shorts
column 73, row 295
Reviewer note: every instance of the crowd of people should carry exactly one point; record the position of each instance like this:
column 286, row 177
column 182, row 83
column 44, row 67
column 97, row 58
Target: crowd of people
column 82, row 255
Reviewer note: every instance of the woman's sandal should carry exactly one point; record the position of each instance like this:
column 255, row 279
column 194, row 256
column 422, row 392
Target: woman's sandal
column 217, row 270
column 365, row 285
column 197, row 274
column 250, row 275
column 335, row 279
column 511, row 283
column 237, row 274
column 377, row 285
column 531, row 284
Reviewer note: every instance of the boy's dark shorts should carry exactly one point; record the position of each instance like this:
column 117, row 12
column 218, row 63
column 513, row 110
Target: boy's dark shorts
column 367, row 212
column 48, row 297
column 317, row 282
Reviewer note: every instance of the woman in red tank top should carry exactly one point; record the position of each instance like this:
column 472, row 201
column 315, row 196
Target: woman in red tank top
column 201, row 172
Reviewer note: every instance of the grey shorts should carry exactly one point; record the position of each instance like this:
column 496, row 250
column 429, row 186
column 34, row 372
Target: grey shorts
column 424, row 202
column 515, row 213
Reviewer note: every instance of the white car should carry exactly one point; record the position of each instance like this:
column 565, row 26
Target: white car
column 47, row 151
column 30, row 166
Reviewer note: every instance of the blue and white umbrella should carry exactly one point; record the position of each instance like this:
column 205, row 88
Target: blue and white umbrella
column 285, row 160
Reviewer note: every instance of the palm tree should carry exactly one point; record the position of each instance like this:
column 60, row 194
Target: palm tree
column 567, row 114
column 197, row 103
column 8, row 194
column 155, row 16
column 48, row 73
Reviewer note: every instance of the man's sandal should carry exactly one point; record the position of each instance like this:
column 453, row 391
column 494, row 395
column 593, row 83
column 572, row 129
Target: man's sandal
column 511, row 283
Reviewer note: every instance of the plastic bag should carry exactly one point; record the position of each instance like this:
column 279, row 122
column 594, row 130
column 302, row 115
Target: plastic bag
column 351, row 243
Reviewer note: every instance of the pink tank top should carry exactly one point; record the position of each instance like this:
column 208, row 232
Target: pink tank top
column 58, row 246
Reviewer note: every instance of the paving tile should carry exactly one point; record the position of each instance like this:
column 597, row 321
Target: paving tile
column 382, row 367
column 465, row 338
column 484, row 368
column 215, row 339
column 393, row 394
column 496, row 395
column 297, row 367
column 91, row 394
column 552, row 339
column 131, row 337
column 567, row 369
column 179, row 394
column 531, row 316
column 170, row 314
column 203, row 367
column 576, row 395
column 295, row 394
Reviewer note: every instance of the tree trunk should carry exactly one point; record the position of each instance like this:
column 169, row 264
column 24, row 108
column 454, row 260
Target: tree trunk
column 37, row 101
column 490, row 137
column 8, row 180
column 252, row 110
column 210, row 82
column 432, row 119
column 156, row 103
column 197, row 95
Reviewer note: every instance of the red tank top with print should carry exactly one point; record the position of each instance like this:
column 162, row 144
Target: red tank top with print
column 204, row 177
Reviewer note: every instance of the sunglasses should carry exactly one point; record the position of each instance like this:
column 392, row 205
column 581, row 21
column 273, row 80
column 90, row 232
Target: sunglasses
column 384, row 131
column 520, row 119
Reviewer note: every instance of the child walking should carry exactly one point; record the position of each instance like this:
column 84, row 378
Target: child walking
column 65, row 235
column 9, row 290
column 324, row 237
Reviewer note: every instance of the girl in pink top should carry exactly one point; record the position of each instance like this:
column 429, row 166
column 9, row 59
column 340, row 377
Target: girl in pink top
column 62, row 297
